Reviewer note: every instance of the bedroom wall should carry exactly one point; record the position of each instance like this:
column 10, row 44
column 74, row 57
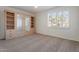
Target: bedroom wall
column 70, row 33
column 1, row 24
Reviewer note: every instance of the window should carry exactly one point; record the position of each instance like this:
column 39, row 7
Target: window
column 52, row 20
column 65, row 19
column 59, row 19
column 27, row 24
column 19, row 22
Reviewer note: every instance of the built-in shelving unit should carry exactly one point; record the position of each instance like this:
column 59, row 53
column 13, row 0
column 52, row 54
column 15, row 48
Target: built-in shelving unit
column 11, row 31
column 32, row 22
column 10, row 20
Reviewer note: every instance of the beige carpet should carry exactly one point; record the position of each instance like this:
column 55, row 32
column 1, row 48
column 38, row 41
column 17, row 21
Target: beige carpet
column 38, row 43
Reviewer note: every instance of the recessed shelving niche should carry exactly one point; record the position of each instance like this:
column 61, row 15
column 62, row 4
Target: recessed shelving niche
column 10, row 20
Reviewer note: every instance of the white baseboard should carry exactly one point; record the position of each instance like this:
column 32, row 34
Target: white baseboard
column 74, row 39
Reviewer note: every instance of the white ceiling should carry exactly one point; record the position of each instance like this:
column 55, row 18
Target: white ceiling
column 32, row 9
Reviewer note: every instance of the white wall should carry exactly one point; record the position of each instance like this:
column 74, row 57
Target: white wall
column 2, row 32
column 70, row 33
column 1, row 24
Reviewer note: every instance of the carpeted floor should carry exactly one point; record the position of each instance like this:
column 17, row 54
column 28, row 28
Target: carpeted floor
column 38, row 43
